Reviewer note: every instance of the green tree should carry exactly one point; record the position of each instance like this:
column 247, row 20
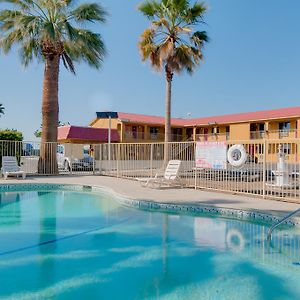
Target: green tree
column 53, row 31
column 171, row 43
column 11, row 135
column 1, row 109
column 10, row 143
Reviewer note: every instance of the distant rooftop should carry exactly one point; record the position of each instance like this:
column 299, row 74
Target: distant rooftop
column 139, row 118
column 283, row 113
column 88, row 134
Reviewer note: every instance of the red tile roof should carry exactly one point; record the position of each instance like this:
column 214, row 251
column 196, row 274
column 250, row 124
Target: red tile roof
column 138, row 118
column 86, row 134
column 283, row 113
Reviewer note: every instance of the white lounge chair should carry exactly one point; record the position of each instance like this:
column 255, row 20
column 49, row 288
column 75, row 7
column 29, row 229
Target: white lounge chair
column 169, row 178
column 10, row 167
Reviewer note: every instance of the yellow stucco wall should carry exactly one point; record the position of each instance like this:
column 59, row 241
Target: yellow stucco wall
column 240, row 131
column 104, row 123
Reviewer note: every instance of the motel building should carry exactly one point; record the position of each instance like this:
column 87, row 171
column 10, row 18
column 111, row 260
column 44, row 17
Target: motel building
column 268, row 124
column 252, row 129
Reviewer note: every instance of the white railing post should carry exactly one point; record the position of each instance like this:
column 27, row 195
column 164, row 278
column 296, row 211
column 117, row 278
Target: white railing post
column 93, row 157
column 101, row 159
column 195, row 170
column 118, row 158
column 71, row 160
column 151, row 160
column 264, row 167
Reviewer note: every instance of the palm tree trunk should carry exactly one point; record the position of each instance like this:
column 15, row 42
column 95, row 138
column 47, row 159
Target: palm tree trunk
column 48, row 160
column 169, row 78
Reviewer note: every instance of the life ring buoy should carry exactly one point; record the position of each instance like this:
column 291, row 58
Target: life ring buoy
column 237, row 155
column 235, row 240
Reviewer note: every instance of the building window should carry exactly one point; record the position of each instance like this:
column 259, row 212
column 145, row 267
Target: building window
column 261, row 127
column 134, row 132
column 287, row 148
column 284, row 128
column 257, row 127
column 215, row 130
column 153, row 133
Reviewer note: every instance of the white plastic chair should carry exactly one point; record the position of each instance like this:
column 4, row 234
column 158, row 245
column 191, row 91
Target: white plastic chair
column 169, row 178
column 10, row 167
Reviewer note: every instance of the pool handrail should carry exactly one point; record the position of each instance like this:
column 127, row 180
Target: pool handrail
column 285, row 218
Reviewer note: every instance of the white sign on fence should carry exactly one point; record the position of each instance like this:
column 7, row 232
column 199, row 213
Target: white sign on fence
column 211, row 155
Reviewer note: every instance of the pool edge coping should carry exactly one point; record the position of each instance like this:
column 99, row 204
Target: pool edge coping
column 146, row 204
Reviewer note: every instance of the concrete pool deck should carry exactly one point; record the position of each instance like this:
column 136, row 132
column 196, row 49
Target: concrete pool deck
column 133, row 190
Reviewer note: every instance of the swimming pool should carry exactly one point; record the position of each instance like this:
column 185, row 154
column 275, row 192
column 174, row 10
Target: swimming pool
column 69, row 244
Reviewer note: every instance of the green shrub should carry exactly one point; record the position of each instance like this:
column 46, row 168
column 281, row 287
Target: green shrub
column 10, row 143
column 11, row 135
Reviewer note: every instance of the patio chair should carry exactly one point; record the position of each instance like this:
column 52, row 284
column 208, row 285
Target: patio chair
column 170, row 177
column 10, row 167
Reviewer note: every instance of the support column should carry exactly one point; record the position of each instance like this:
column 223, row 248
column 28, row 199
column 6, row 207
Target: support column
column 267, row 128
column 146, row 133
column 194, row 134
column 122, row 133
column 184, row 137
column 297, row 131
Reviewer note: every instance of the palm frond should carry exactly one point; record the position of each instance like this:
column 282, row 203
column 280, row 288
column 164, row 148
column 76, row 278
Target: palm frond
column 47, row 28
column 87, row 46
column 171, row 40
column 29, row 50
column 150, row 9
column 23, row 4
column 89, row 12
column 68, row 63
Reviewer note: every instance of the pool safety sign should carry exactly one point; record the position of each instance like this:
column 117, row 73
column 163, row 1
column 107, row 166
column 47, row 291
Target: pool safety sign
column 211, row 155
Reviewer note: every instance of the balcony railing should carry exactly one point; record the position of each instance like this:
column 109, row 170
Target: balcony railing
column 284, row 133
column 287, row 133
column 212, row 137
column 134, row 136
column 255, row 135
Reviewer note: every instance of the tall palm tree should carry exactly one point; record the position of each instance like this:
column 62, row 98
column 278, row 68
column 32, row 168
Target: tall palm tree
column 1, row 109
column 53, row 31
column 170, row 43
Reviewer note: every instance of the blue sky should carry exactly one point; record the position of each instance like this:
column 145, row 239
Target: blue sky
column 251, row 63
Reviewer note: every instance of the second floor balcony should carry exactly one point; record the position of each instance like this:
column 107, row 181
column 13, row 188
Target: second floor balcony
column 130, row 136
column 212, row 137
column 274, row 134
column 256, row 135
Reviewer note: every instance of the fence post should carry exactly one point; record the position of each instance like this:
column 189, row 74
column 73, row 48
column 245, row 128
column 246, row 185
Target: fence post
column 118, row 157
column 151, row 160
column 100, row 158
column 195, row 170
column 264, row 168
column 71, row 160
column 94, row 156
column 297, row 162
column 109, row 158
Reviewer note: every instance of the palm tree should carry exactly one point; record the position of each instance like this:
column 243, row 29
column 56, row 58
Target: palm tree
column 170, row 43
column 1, row 109
column 53, row 31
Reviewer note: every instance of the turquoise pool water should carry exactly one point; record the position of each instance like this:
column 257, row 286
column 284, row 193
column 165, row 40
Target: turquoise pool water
column 79, row 245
